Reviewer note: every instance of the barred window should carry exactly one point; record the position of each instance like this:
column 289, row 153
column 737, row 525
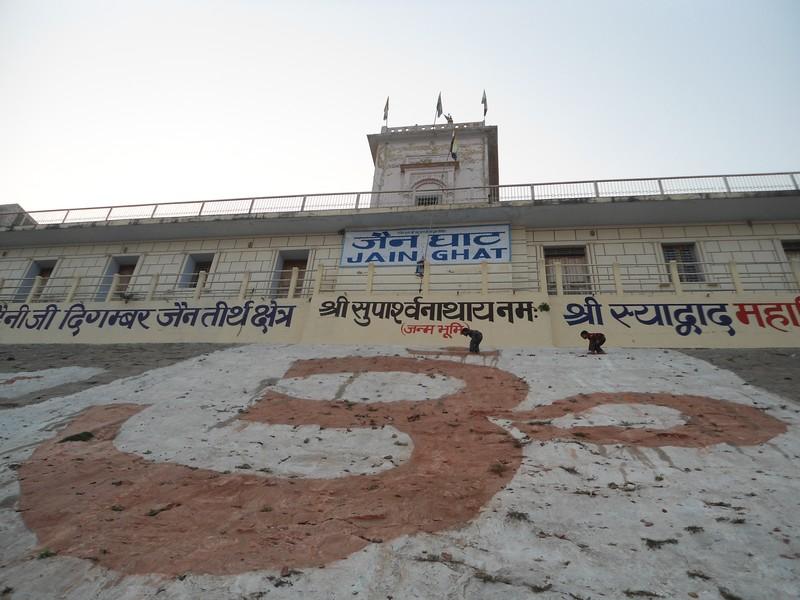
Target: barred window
column 574, row 269
column 427, row 199
column 689, row 268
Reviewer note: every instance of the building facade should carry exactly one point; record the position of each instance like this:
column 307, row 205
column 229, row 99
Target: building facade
column 436, row 245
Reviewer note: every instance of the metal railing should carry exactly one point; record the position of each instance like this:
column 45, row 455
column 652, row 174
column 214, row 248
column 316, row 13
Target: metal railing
column 534, row 276
column 288, row 283
column 553, row 192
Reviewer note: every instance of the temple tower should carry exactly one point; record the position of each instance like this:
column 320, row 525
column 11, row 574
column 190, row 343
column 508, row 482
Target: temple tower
column 417, row 161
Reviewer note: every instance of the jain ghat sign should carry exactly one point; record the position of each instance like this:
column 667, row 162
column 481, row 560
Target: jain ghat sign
column 395, row 247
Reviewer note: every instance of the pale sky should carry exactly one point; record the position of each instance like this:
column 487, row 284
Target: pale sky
column 122, row 102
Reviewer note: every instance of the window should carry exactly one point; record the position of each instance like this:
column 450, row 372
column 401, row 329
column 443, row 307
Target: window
column 685, row 255
column 427, row 199
column 39, row 268
column 125, row 272
column 428, row 191
column 791, row 248
column 46, row 271
column 287, row 261
column 124, row 267
column 574, row 269
column 195, row 263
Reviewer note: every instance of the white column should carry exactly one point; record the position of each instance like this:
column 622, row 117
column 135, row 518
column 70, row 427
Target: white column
column 293, row 282
column 153, row 285
column 244, row 286
column 559, row 278
column 318, row 280
column 618, row 289
column 37, row 285
column 542, row 266
column 675, row 276
column 737, row 281
column 73, row 289
column 201, row 283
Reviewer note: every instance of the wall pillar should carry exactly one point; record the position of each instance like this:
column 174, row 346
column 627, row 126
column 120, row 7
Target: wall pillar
column 201, row 283
column 675, row 277
column 73, row 289
column 737, row 281
column 618, row 289
column 244, row 286
column 542, row 267
column 320, row 272
column 35, row 289
column 293, row 282
column 559, row 278
column 151, row 291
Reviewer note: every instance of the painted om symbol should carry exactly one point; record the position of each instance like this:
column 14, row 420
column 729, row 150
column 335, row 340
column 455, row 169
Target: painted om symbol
column 88, row 499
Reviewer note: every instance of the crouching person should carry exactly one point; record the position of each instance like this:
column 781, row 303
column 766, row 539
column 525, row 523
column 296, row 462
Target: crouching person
column 475, row 338
column 596, row 341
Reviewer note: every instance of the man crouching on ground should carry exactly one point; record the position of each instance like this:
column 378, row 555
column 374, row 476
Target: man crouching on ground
column 596, row 340
column 475, row 338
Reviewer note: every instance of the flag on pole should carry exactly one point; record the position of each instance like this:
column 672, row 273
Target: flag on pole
column 454, row 146
column 439, row 105
column 485, row 104
column 386, row 110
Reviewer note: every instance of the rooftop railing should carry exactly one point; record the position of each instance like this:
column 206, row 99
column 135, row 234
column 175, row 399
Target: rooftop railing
column 537, row 193
column 446, row 127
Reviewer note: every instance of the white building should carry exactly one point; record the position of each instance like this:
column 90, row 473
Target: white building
column 438, row 225
column 434, row 164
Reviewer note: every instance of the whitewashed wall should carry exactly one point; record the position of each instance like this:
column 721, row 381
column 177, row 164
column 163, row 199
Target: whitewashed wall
column 633, row 247
column 721, row 320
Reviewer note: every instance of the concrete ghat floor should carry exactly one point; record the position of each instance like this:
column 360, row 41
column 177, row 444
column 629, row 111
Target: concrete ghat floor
column 573, row 520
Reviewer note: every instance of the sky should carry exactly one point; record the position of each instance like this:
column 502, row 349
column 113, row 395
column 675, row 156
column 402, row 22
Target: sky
column 106, row 102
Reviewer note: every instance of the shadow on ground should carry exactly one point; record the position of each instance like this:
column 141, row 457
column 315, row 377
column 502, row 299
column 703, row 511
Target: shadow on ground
column 118, row 360
column 776, row 370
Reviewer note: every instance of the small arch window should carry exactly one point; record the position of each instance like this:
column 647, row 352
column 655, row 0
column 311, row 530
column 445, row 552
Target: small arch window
column 428, row 193
column 427, row 198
